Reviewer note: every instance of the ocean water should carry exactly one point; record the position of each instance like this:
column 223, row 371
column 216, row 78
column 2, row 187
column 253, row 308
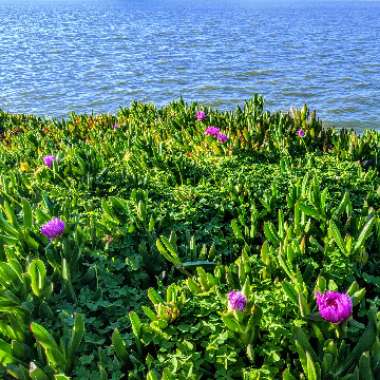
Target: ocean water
column 86, row 56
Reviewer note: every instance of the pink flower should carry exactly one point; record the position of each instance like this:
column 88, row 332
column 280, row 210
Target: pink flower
column 212, row 131
column 53, row 228
column 200, row 115
column 48, row 160
column 333, row 306
column 237, row 300
column 116, row 126
column 301, row 133
column 222, row 138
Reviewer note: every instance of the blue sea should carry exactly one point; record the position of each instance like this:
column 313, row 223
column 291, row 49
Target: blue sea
column 86, row 56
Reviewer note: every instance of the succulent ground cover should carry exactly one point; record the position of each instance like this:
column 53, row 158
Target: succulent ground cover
column 188, row 243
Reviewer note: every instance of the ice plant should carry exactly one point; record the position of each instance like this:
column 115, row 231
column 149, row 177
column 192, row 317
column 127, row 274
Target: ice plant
column 48, row 160
column 221, row 137
column 333, row 306
column 200, row 115
column 212, row 131
column 236, row 300
column 301, row 133
column 53, row 228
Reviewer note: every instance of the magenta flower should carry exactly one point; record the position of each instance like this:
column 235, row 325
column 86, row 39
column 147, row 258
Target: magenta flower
column 53, row 228
column 200, row 115
column 301, row 133
column 116, row 126
column 48, row 160
column 333, row 306
column 237, row 300
column 222, row 137
column 212, row 131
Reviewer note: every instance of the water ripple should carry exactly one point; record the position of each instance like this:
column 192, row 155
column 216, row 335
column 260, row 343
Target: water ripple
column 97, row 55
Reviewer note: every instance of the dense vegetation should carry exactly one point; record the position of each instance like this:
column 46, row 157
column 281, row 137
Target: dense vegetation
column 162, row 221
